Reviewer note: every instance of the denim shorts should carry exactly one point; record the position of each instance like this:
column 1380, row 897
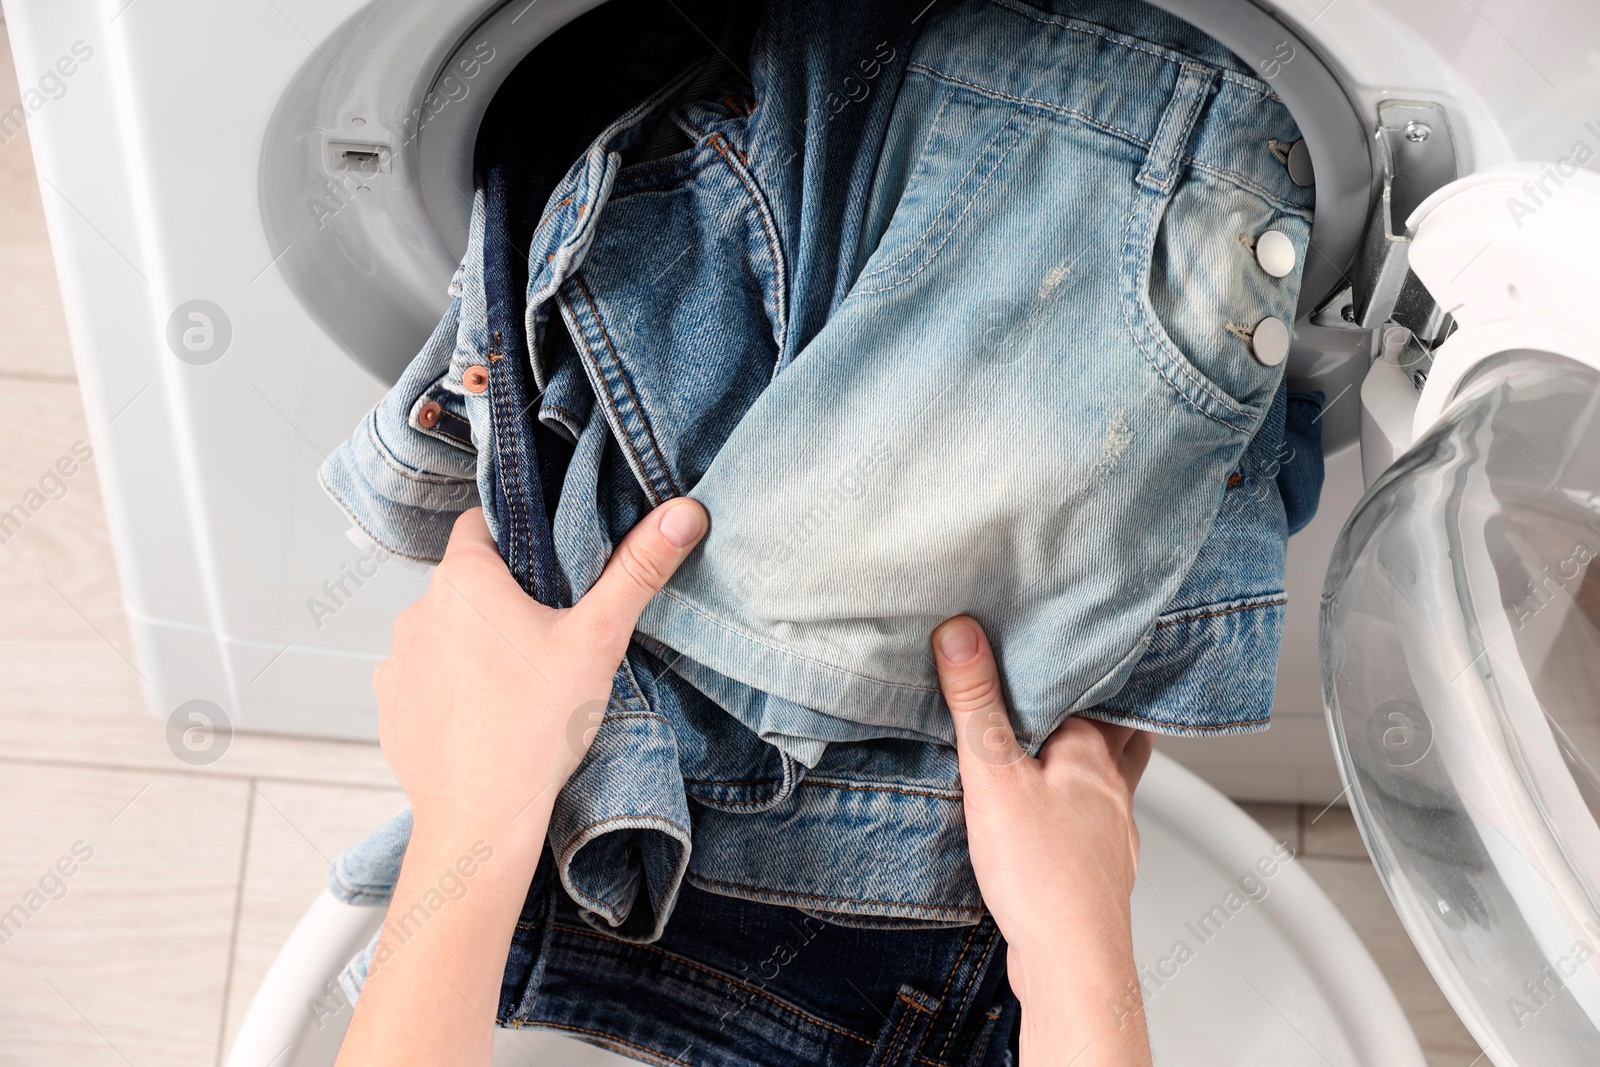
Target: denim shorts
column 979, row 280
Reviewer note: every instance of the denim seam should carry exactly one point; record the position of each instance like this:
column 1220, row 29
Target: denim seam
column 1090, row 29
column 859, row 787
column 1181, row 619
column 902, row 1030
column 701, row 879
column 1177, row 725
column 972, row 987
column 355, row 518
column 599, row 906
column 945, row 992
column 955, row 223
column 928, row 232
column 1233, row 176
column 622, row 374
column 769, row 230
column 1288, row 207
column 1175, row 131
column 404, row 469
column 604, row 394
column 730, row 979
column 520, row 533
column 894, row 1038
column 1136, row 312
column 1035, row 101
column 792, row 653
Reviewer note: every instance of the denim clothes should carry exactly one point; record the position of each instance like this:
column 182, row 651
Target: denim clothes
column 977, row 280
column 739, row 984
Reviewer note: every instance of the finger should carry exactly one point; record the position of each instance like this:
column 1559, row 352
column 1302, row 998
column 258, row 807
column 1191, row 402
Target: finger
column 641, row 566
column 970, row 679
column 1136, row 757
column 470, row 534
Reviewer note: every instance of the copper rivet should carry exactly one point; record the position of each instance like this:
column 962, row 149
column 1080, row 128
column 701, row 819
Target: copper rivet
column 475, row 379
column 428, row 414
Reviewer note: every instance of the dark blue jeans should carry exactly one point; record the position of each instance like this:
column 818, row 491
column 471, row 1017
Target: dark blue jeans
column 733, row 983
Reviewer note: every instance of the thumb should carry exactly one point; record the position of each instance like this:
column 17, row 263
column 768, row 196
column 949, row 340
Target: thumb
column 642, row 564
column 970, row 679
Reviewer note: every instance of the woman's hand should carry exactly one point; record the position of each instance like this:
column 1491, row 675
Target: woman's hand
column 489, row 700
column 486, row 706
column 1055, row 850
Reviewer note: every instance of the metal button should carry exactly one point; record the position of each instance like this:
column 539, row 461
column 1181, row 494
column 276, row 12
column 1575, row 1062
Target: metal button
column 428, row 415
column 1269, row 342
column 475, row 379
column 1299, row 164
column 1275, row 253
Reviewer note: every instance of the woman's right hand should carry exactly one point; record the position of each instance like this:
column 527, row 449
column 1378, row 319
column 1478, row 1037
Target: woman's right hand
column 1055, row 851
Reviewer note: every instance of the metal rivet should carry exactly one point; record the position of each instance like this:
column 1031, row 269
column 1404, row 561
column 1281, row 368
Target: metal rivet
column 1275, row 253
column 1299, row 164
column 475, row 379
column 428, row 415
column 1269, row 342
column 1418, row 132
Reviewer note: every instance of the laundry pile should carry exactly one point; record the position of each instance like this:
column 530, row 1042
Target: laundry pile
column 974, row 307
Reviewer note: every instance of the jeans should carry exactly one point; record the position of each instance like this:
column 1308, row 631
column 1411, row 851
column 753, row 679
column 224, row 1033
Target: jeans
column 739, row 984
column 742, row 253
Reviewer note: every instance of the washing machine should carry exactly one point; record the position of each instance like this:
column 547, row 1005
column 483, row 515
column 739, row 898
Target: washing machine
column 255, row 207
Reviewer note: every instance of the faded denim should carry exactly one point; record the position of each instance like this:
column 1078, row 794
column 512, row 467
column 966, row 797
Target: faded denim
column 671, row 293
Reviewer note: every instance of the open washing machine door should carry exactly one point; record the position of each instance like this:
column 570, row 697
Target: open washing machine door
column 1461, row 618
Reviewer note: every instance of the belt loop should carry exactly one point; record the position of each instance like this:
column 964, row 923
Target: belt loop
column 1165, row 161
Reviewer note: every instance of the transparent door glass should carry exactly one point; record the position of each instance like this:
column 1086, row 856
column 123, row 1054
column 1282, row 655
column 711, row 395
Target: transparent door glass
column 1461, row 672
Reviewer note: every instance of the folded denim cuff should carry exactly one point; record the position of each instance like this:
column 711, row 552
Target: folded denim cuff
column 1192, row 682
column 366, row 872
column 403, row 508
column 620, row 830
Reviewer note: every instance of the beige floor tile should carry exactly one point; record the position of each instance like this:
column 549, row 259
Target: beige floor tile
column 128, row 965
column 1354, row 887
column 31, row 320
column 1282, row 821
column 1332, row 834
column 295, row 830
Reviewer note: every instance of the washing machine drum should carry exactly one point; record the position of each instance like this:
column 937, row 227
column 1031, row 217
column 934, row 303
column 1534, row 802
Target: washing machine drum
column 1461, row 641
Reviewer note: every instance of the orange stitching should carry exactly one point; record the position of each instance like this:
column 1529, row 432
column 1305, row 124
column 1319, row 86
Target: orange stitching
column 623, row 374
column 1225, row 611
column 842, row 900
column 767, row 227
column 675, row 958
column 548, row 215
column 946, row 990
column 972, row 987
column 605, row 394
column 857, row 787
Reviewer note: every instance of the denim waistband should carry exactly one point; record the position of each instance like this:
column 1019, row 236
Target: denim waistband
column 1112, row 66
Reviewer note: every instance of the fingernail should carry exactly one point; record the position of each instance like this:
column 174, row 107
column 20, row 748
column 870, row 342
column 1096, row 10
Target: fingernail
column 683, row 524
column 958, row 642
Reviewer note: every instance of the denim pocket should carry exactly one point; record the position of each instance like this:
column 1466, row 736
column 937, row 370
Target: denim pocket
column 924, row 201
column 1193, row 293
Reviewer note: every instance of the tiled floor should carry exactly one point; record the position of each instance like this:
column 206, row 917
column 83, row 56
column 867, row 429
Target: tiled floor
column 150, row 952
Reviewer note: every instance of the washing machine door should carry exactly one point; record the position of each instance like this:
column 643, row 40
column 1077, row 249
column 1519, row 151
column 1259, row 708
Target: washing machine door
column 1461, row 630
